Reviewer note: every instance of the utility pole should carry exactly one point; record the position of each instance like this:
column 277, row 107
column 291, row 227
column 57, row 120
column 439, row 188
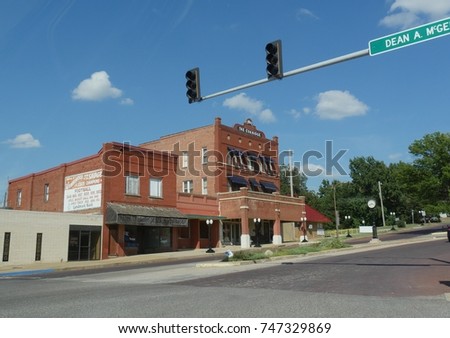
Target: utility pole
column 291, row 172
column 5, row 199
column 381, row 203
column 336, row 212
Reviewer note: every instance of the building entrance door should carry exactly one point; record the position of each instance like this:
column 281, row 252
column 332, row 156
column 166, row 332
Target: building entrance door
column 84, row 244
column 232, row 232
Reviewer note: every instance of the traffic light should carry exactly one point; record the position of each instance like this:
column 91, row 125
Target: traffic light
column 274, row 67
column 193, row 85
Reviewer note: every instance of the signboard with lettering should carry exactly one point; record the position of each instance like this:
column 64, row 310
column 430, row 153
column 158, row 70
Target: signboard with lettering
column 249, row 131
column 83, row 191
column 409, row 37
column 249, row 128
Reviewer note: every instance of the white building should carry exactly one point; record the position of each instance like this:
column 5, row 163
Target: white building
column 33, row 236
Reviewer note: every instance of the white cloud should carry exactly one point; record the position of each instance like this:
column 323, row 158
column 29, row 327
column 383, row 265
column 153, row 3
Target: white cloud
column 23, row 141
column 249, row 105
column 96, row 88
column 336, row 105
column 303, row 12
column 407, row 13
column 266, row 116
column 296, row 114
column 243, row 102
column 127, row 101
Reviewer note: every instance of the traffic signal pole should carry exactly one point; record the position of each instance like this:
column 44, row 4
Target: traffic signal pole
column 304, row 69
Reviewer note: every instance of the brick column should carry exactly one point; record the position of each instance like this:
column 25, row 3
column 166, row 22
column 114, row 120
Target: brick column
column 245, row 235
column 277, row 239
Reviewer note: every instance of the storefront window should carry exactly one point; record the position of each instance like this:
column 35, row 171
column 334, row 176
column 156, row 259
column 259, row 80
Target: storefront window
column 164, row 238
column 131, row 242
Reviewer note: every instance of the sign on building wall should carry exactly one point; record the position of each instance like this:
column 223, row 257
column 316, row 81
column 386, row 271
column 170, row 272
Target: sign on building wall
column 83, row 191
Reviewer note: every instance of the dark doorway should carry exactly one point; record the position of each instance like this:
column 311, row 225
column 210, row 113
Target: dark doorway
column 84, row 244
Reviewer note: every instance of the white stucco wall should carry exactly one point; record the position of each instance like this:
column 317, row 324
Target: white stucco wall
column 24, row 227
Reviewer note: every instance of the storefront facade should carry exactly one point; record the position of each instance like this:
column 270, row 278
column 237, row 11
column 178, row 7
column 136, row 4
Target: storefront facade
column 231, row 175
column 210, row 186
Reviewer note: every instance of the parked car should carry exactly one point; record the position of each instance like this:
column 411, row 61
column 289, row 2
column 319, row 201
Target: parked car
column 435, row 219
column 448, row 232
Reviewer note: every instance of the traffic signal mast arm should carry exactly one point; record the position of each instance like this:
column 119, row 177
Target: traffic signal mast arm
column 274, row 62
column 314, row 66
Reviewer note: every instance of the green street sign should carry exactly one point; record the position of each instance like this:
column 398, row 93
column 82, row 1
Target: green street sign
column 409, row 37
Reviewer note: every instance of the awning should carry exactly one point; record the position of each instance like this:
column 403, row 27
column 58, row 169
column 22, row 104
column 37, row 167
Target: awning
column 268, row 159
column 131, row 214
column 237, row 180
column 235, row 152
column 269, row 186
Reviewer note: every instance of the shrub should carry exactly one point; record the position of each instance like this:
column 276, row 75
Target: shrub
column 332, row 243
column 327, row 244
column 401, row 224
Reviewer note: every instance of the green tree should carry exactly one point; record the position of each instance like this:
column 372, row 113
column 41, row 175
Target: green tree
column 366, row 172
column 432, row 162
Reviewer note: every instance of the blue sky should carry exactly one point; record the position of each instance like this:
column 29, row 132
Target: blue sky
column 77, row 73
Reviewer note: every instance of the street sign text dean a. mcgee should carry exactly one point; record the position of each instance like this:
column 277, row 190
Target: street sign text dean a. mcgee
column 409, row 37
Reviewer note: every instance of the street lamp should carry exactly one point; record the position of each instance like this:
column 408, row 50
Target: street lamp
column 422, row 213
column 303, row 226
column 347, row 220
column 209, row 222
column 372, row 204
column 393, row 222
column 257, row 222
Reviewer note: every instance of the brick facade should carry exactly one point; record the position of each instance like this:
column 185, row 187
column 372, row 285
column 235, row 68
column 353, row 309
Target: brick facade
column 107, row 170
column 236, row 157
column 229, row 175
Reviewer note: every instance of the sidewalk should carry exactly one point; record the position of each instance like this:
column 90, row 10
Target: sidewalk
column 42, row 267
column 171, row 256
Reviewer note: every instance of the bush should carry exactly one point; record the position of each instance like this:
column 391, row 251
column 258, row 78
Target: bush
column 401, row 224
column 327, row 244
column 332, row 243
column 247, row 256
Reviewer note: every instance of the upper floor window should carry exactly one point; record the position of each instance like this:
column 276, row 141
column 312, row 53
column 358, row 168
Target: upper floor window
column 156, row 187
column 184, row 159
column 188, row 186
column 132, row 184
column 19, row 198
column 204, row 186
column 204, row 155
column 46, row 192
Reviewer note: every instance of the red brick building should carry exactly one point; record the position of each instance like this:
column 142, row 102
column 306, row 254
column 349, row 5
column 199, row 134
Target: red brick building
column 209, row 186
column 230, row 175
column 133, row 188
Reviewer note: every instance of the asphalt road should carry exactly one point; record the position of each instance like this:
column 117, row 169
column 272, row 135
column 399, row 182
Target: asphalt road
column 410, row 280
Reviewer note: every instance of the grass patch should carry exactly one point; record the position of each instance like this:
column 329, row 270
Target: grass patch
column 327, row 244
